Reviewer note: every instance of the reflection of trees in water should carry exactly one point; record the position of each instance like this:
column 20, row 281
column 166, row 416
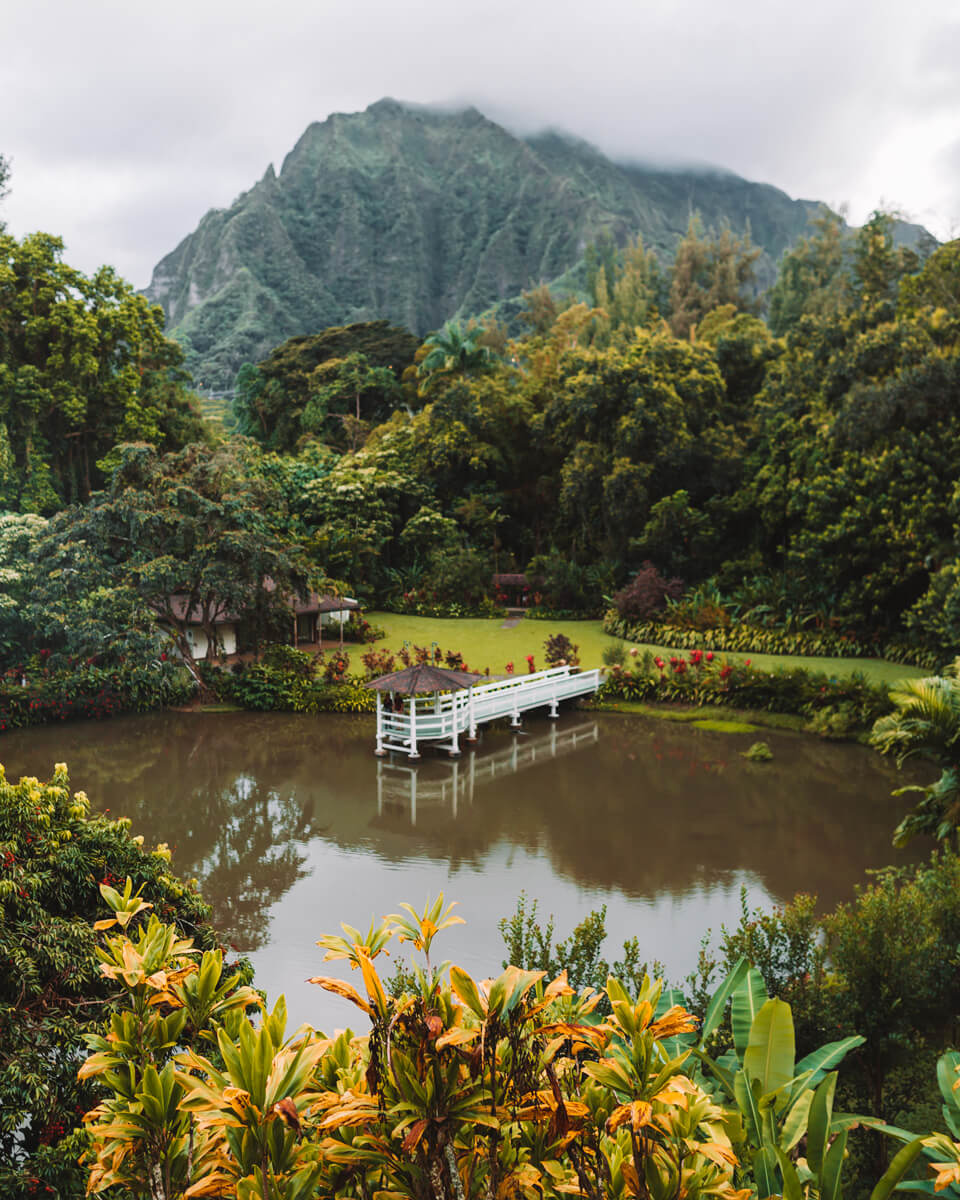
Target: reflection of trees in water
column 212, row 789
column 252, row 859
column 218, row 795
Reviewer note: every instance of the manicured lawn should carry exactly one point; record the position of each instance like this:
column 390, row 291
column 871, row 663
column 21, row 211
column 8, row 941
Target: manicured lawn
column 483, row 643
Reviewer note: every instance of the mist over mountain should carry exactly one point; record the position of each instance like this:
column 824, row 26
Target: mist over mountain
column 417, row 215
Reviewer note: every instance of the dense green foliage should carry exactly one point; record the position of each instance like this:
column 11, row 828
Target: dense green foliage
column 514, row 1087
column 84, row 364
column 351, row 373
column 82, row 689
column 53, row 858
column 925, row 724
column 112, row 581
column 289, row 680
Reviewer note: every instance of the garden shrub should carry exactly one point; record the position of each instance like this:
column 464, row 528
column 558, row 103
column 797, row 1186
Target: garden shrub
column 423, row 603
column 286, row 658
column 700, row 608
column 88, row 690
column 647, row 593
column 53, row 857
column 359, row 629
column 377, row 663
column 614, row 654
column 704, row 678
column 274, row 689
column 558, row 649
column 563, row 614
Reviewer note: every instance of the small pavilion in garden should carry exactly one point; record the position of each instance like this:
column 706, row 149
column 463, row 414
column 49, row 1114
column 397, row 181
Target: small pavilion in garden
column 422, row 679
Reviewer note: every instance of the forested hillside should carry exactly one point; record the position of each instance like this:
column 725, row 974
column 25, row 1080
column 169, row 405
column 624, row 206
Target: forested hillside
column 418, row 216
column 796, row 473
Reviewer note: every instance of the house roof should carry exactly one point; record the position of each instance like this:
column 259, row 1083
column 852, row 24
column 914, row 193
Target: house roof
column 312, row 604
column 331, row 604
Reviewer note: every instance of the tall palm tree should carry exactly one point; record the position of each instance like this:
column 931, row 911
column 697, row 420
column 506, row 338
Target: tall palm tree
column 926, row 724
column 454, row 350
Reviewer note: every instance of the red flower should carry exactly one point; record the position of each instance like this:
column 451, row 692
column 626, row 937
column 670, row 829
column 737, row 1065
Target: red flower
column 747, row 663
column 709, row 656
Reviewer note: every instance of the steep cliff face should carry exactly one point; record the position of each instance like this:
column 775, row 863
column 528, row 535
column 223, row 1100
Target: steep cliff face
column 417, row 216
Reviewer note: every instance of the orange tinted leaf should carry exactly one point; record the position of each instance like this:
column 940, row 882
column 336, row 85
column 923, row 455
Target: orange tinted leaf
column 339, row 988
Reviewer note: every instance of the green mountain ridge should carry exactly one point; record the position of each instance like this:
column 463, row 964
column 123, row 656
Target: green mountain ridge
column 415, row 216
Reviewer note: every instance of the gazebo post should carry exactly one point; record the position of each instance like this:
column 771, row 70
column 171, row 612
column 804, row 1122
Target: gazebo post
column 454, row 747
column 380, row 752
column 413, row 728
column 471, row 717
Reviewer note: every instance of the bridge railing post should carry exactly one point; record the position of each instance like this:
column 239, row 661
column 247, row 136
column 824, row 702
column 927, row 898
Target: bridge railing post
column 380, row 752
column 413, row 728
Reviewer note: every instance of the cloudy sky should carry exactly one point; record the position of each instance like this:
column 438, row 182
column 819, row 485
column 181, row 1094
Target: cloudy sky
column 124, row 122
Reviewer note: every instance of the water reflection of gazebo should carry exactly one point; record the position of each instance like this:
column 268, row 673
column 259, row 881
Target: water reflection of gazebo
column 446, row 786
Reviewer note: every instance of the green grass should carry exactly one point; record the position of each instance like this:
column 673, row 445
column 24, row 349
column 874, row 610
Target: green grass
column 483, row 643
column 725, row 726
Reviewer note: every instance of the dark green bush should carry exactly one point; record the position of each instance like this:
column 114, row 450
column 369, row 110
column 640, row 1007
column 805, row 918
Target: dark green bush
column 53, row 858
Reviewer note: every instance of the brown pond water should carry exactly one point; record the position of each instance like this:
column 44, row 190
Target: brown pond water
column 291, row 825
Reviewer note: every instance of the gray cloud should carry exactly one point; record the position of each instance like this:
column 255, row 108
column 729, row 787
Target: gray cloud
column 125, row 123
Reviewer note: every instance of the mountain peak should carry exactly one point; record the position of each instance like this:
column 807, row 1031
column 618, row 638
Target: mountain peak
column 416, row 214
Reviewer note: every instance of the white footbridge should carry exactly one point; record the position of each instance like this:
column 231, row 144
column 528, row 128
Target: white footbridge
column 442, row 718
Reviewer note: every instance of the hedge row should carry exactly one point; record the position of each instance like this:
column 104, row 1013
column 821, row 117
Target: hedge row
column 417, row 604
column 278, row 689
column 93, row 692
column 748, row 639
column 834, row 705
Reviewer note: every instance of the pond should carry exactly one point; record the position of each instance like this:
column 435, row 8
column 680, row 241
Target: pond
column 291, row 825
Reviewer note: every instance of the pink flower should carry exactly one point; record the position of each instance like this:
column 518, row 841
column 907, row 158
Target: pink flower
column 634, row 652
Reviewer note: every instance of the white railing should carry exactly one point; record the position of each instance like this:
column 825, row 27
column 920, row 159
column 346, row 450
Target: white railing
column 444, row 717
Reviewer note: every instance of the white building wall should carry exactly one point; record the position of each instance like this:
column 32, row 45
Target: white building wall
column 200, row 643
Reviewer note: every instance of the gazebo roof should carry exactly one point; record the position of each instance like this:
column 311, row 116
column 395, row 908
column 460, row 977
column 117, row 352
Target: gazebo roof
column 423, row 677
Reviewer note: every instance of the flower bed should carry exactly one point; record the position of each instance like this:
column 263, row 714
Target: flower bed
column 834, row 706
column 91, row 691
column 749, row 639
